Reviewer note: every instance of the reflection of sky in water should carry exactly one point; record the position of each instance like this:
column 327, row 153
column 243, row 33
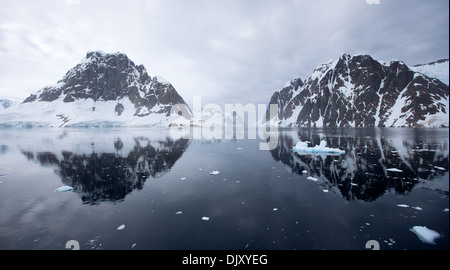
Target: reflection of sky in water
column 143, row 177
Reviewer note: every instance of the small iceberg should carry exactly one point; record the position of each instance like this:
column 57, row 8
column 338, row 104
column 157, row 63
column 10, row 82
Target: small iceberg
column 214, row 172
column 403, row 205
column 205, row 218
column 64, row 189
column 425, row 235
column 302, row 149
column 121, row 227
column 394, row 170
column 179, row 213
column 312, row 178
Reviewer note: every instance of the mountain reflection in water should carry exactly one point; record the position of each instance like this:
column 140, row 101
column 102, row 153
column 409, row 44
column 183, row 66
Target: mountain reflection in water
column 362, row 172
column 109, row 174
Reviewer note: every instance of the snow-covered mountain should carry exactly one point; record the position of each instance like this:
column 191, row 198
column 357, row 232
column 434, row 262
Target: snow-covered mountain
column 102, row 90
column 359, row 91
column 7, row 102
column 438, row 69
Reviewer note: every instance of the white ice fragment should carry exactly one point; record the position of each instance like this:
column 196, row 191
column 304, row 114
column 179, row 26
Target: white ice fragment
column 304, row 171
column 417, row 208
column 205, row 218
column 425, row 235
column 121, row 227
column 183, row 178
column 179, row 213
column 239, row 148
column 312, row 178
column 275, row 209
column 133, row 245
column 439, row 168
column 200, row 169
column 302, row 148
column 353, row 184
column 394, row 170
column 325, row 190
column 445, row 210
column 64, row 189
column 214, row 172
column 403, row 205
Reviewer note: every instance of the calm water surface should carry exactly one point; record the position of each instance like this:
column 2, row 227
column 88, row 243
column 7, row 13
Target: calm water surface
column 161, row 189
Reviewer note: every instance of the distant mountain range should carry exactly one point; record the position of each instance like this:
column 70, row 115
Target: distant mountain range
column 8, row 102
column 358, row 91
column 107, row 90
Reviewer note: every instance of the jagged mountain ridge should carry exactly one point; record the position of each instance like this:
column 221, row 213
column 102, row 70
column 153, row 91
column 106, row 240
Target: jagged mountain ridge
column 103, row 89
column 359, row 91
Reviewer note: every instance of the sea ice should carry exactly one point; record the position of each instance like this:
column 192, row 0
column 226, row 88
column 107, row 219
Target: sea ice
column 64, row 189
column 439, row 168
column 312, row 178
column 425, row 235
column 214, row 172
column 302, row 148
column 417, row 208
column 121, row 227
column 205, row 218
column 394, row 170
column 179, row 213
column 403, row 205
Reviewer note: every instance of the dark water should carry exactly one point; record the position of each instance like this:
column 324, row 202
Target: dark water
column 160, row 188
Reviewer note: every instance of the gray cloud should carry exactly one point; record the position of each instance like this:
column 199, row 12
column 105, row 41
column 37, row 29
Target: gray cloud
column 236, row 51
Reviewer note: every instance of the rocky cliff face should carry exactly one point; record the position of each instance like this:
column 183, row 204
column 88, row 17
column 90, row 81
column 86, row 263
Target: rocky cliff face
column 103, row 89
column 362, row 92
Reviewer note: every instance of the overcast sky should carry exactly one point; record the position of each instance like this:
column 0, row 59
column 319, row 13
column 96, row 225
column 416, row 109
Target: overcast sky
column 226, row 51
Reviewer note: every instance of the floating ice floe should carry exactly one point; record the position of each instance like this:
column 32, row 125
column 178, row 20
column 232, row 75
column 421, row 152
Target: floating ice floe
column 417, row 208
column 133, row 245
column 179, row 213
column 440, row 168
column 394, row 170
column 275, row 209
column 205, row 218
column 425, row 235
column 445, row 210
column 121, row 227
column 214, row 172
column 183, row 178
column 64, row 189
column 312, row 178
column 302, row 149
column 403, row 205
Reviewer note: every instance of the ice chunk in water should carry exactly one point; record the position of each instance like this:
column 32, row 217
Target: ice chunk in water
column 394, row 170
column 214, row 172
column 312, row 178
column 425, row 235
column 121, row 227
column 205, row 218
column 64, row 189
column 302, row 148
column 403, row 205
